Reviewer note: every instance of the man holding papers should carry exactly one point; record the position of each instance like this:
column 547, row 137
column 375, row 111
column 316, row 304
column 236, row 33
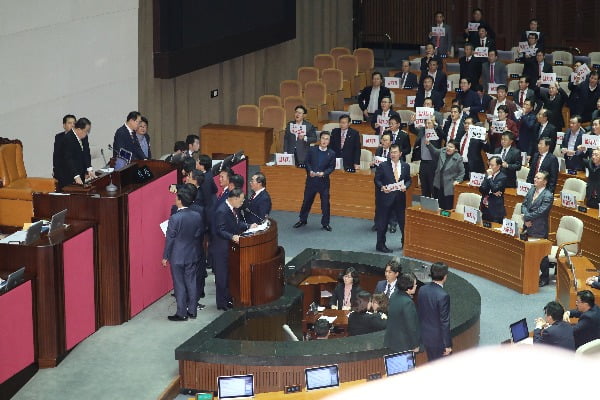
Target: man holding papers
column 492, row 192
column 392, row 178
column 381, row 119
column 570, row 147
column 469, row 147
column 510, row 156
column 299, row 134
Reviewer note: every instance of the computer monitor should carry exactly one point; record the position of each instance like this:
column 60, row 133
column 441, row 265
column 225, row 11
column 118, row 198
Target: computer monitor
column 235, row 386
column 519, row 331
column 398, row 363
column 58, row 221
column 322, row 377
column 427, row 203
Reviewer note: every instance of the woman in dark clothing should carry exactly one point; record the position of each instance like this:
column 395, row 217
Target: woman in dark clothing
column 345, row 292
column 361, row 321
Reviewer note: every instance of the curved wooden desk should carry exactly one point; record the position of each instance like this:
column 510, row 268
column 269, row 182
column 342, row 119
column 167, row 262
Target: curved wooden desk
column 486, row 252
column 566, row 292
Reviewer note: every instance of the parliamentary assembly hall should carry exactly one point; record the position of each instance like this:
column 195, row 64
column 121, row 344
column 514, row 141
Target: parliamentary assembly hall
column 298, row 199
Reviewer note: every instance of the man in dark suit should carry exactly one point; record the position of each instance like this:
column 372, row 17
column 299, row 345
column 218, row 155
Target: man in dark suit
column 570, row 145
column 552, row 330
column 193, row 145
column 125, row 137
column 493, row 71
column 390, row 174
column 57, row 155
column 543, row 128
column 440, row 79
column 484, row 98
column 588, row 325
column 399, row 137
column 208, row 187
column 524, row 92
column 502, row 99
column 453, row 127
column 536, row 207
column 345, row 142
column 533, row 27
column 76, row 166
column 510, row 156
column 389, row 285
column 442, row 44
column 227, row 228
column 408, row 80
column 420, row 152
column 370, row 97
column 403, row 332
column 544, row 160
column 433, row 306
column 298, row 143
column 320, row 163
column 183, row 251
column 484, row 40
column 426, row 90
column 470, row 150
column 428, row 57
column 534, row 66
column 469, row 66
column 472, row 36
column 258, row 206
column 492, row 192
column 381, row 119
column 587, row 94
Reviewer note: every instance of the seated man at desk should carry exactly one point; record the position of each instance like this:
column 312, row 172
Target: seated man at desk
column 360, row 321
column 322, row 328
column 588, row 326
column 552, row 330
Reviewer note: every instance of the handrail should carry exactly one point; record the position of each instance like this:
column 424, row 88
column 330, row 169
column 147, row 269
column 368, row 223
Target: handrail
column 387, row 43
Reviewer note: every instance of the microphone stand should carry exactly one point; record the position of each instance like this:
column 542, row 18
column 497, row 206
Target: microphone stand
column 111, row 187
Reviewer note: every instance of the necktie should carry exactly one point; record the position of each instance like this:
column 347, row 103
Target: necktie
column 492, row 73
column 397, row 172
column 453, row 131
column 463, row 144
column 540, row 132
column 403, row 79
column 482, row 42
column 384, row 153
column 343, row 138
column 503, row 154
column 387, row 290
column 234, row 214
column 394, row 138
column 521, row 98
column 253, row 196
column 537, row 166
column 437, row 41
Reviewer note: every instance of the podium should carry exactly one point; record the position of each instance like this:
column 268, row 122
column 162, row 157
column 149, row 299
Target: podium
column 129, row 242
column 256, row 268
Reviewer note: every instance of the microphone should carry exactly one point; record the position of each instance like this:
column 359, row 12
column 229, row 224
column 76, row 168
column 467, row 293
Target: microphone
column 104, row 158
column 246, row 209
column 111, row 187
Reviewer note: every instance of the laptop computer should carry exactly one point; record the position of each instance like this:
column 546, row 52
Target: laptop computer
column 519, row 332
column 322, row 377
column 427, row 203
column 398, row 363
column 58, row 221
column 13, row 280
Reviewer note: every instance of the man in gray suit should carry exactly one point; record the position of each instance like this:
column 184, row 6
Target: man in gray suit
column 493, row 71
column 536, row 207
column 183, row 252
column 298, row 143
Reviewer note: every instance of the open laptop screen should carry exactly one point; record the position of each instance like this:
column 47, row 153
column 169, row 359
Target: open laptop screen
column 519, row 330
column 322, row 377
column 399, row 362
column 236, row 386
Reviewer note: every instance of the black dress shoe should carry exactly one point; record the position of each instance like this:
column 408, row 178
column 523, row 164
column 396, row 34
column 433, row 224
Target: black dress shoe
column 374, row 228
column 383, row 249
column 176, row 317
column 192, row 316
column 327, row 228
column 543, row 282
column 299, row 224
column 200, row 306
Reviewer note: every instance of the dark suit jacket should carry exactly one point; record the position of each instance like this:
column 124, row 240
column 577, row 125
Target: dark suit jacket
column 549, row 164
column 514, row 160
column 537, row 212
column 74, row 162
column 209, row 190
column 380, row 112
column 527, row 132
column 473, row 36
column 436, row 97
column 365, row 96
column 440, row 84
column 382, row 285
column 433, row 306
column 532, row 70
column 471, row 99
column 495, row 204
column 470, row 69
column 586, row 99
column 290, row 142
column 124, row 140
column 555, row 106
column 362, row 322
column 528, row 95
column 403, row 141
column 351, row 151
column 500, row 74
column 459, row 128
column 475, row 160
column 337, row 296
column 327, row 164
column 385, row 176
column 57, row 154
column 588, row 326
column 575, row 161
column 225, row 226
column 403, row 332
column 410, row 81
column 183, row 245
column 259, row 205
column 558, row 334
column 549, row 131
column 425, row 63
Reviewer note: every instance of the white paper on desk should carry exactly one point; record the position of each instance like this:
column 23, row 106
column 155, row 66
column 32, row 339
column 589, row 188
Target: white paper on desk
column 320, row 309
column 284, row 159
column 328, row 319
column 325, row 293
column 259, row 228
column 163, row 227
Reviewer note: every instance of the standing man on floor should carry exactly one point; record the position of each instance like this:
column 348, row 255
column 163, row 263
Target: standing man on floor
column 433, row 306
column 183, row 252
column 392, row 178
column 492, row 192
column 346, row 143
column 320, row 163
column 402, row 332
column 58, row 155
column 258, row 206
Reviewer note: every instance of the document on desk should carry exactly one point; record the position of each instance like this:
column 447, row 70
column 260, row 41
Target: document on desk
column 328, row 319
column 16, row 238
column 259, row 228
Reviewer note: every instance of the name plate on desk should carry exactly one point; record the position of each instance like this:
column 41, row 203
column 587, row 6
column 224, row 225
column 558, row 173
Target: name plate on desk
column 568, row 200
column 370, row 140
column 472, row 215
column 509, row 227
column 392, row 82
column 523, row 188
column 284, row 159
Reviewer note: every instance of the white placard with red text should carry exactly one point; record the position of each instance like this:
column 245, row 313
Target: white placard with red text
column 297, row 129
column 476, row 179
column 471, row 214
column 523, row 188
column 547, row 78
column 396, row 186
column 560, row 136
column 524, row 158
column 477, row 132
column 383, row 122
column 370, row 140
column 284, row 159
column 392, row 82
column 473, row 26
column 481, row 52
column 568, row 200
column 449, row 86
column 580, row 74
column 509, row 227
column 378, row 160
column 422, row 114
column 410, row 101
column 493, row 88
column 590, row 141
column 438, row 31
column 430, row 134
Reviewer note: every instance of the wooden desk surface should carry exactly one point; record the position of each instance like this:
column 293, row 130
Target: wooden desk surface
column 317, row 279
column 486, row 252
column 255, row 141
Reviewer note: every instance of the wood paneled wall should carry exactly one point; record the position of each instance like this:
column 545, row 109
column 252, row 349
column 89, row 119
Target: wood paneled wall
column 564, row 22
column 177, row 107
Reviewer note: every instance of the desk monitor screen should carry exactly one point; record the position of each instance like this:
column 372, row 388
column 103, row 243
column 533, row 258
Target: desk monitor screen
column 398, row 363
column 58, row 221
column 322, row 377
column 427, row 203
column 235, row 386
column 519, row 330
column 33, row 233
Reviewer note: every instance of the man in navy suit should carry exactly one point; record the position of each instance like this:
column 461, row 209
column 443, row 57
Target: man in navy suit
column 552, row 330
column 544, row 160
column 183, row 252
column 320, row 163
column 440, row 79
column 258, row 206
column 588, row 325
column 510, row 156
column 426, row 90
column 433, row 306
column 470, row 150
column 208, row 187
column 227, row 228
column 125, row 137
column 571, row 145
column 369, row 99
column 492, row 192
column 345, row 142
column 408, row 80
column 389, row 285
column 391, row 199
column 75, row 166
column 543, row 128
